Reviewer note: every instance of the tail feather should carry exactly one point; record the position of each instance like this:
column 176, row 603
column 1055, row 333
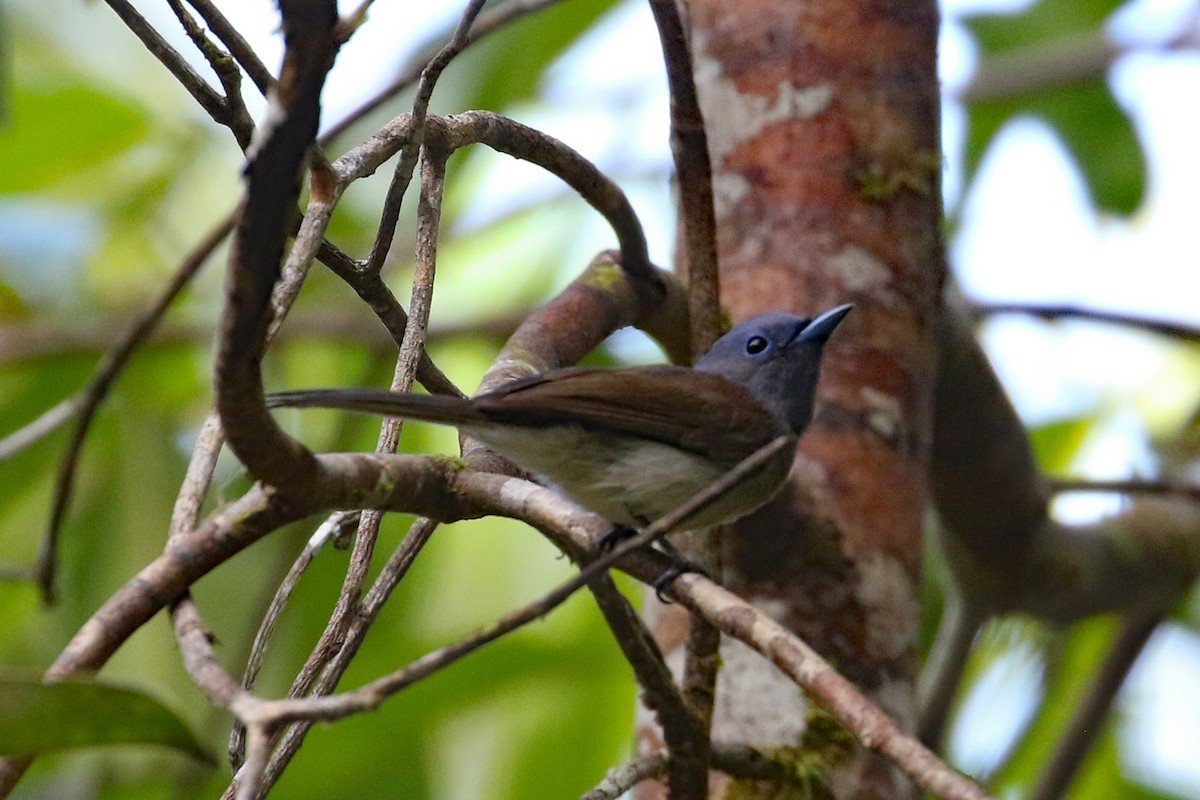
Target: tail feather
column 444, row 409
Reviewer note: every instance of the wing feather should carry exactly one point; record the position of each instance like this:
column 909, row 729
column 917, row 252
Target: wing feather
column 708, row 414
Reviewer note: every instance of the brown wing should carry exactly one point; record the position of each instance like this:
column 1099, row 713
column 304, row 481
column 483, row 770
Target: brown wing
column 702, row 413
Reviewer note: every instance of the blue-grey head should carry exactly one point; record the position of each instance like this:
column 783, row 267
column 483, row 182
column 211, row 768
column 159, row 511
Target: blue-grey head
column 777, row 356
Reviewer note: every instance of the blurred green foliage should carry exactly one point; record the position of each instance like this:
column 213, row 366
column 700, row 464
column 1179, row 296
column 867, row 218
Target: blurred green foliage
column 1080, row 109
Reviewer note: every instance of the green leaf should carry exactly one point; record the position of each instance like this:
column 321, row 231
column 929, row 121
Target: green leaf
column 61, row 129
column 1044, row 21
column 510, row 64
column 1057, row 443
column 1100, row 774
column 1094, row 129
column 1071, row 668
column 36, row 717
column 1083, row 113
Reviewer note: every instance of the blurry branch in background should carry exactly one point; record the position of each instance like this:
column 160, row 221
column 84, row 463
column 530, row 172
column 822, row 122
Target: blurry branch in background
column 1187, row 333
column 32, row 433
column 1086, row 724
column 89, row 400
column 1135, row 486
column 36, row 339
column 1063, row 61
column 1007, row 555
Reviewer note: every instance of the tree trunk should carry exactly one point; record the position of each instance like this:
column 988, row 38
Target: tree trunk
column 823, row 124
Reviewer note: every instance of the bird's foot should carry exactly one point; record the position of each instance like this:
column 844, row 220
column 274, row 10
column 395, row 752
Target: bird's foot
column 681, row 566
column 618, row 534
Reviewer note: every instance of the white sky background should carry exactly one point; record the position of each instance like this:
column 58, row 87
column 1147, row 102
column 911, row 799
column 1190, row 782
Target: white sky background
column 1028, row 234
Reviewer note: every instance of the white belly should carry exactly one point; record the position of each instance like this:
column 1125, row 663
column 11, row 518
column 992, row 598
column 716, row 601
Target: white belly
column 631, row 485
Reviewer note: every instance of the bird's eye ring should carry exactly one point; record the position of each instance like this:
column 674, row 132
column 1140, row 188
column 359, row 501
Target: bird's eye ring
column 756, row 345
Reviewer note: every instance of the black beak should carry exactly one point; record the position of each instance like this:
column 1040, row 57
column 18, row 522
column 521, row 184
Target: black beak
column 820, row 328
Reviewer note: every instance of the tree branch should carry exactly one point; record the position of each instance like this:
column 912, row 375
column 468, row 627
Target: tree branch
column 257, row 250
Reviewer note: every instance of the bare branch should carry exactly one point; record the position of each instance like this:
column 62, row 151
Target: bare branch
column 1132, row 486
column 1061, row 61
column 684, row 731
column 1170, row 329
column 943, row 671
column 737, row 618
column 237, row 737
column 369, row 697
column 264, row 221
column 693, row 168
column 743, row 762
column 488, row 22
column 239, row 48
column 339, row 643
column 32, row 433
column 408, row 153
column 170, row 58
column 237, row 118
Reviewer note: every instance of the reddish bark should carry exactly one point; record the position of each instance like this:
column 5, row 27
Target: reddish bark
column 823, row 128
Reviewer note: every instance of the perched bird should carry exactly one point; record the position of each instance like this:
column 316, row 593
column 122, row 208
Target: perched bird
column 632, row 444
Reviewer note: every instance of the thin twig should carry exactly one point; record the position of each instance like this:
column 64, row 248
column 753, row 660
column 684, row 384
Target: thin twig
column 1130, row 486
column 408, row 153
column 685, row 735
column 97, row 389
column 623, row 778
column 488, row 22
column 170, row 58
column 693, row 169
column 319, row 674
column 237, row 118
column 1170, row 329
column 237, row 737
column 943, row 670
column 47, row 423
column 238, row 47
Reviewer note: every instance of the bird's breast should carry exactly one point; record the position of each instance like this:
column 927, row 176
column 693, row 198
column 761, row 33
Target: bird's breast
column 631, row 481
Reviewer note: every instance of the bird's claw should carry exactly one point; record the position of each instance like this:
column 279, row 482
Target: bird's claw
column 618, row 534
column 680, row 567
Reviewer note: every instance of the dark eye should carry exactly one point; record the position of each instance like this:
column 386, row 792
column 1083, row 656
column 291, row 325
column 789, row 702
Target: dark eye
column 756, row 344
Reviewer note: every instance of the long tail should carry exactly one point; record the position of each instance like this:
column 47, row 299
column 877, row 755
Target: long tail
column 430, row 408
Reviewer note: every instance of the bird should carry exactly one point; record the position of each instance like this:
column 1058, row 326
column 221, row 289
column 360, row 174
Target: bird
column 632, row 444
